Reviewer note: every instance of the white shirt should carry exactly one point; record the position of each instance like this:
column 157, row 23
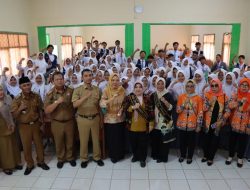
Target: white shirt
column 120, row 58
column 177, row 54
column 204, row 68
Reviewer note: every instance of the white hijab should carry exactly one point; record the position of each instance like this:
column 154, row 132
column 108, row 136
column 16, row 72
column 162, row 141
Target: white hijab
column 39, row 88
column 229, row 89
column 13, row 90
column 199, row 86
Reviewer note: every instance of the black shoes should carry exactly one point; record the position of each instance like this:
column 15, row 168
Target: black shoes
column 99, row 162
column 209, row 162
column 143, row 164
column 19, row 167
column 189, row 161
column 204, row 159
column 43, row 166
column 134, row 159
column 181, row 159
column 113, row 160
column 8, row 172
column 239, row 163
column 84, row 164
column 28, row 170
column 72, row 163
column 60, row 164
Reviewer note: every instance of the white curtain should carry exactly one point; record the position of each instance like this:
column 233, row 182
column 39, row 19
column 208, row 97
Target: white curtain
column 226, row 47
column 208, row 48
column 194, row 39
column 13, row 47
column 78, row 44
column 66, row 47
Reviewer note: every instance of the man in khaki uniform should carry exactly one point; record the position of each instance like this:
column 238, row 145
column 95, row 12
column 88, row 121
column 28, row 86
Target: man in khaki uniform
column 58, row 104
column 86, row 99
column 27, row 110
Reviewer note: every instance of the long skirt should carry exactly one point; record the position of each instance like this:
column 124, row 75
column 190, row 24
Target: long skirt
column 115, row 140
column 10, row 155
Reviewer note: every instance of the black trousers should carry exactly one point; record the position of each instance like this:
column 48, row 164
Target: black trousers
column 237, row 143
column 211, row 144
column 159, row 150
column 115, row 140
column 139, row 145
column 187, row 143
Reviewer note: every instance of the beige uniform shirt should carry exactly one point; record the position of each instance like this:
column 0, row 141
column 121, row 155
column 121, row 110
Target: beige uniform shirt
column 65, row 110
column 34, row 106
column 91, row 105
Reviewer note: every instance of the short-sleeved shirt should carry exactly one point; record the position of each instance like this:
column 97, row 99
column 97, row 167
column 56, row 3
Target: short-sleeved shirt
column 34, row 106
column 91, row 105
column 64, row 111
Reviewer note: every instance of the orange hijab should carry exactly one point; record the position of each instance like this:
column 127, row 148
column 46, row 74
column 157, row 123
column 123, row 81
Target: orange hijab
column 242, row 95
column 220, row 92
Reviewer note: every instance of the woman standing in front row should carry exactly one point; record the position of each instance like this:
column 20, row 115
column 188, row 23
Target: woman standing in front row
column 114, row 121
column 10, row 156
column 216, row 112
column 240, row 106
column 162, row 132
column 138, row 115
column 190, row 117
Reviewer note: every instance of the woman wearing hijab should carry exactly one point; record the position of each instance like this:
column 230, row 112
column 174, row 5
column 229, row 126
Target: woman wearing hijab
column 178, row 86
column 161, row 129
column 246, row 74
column 145, row 82
column 114, row 121
column 39, row 86
column 152, row 83
column 190, row 117
column 75, row 81
column 27, row 68
column 10, row 84
column 230, row 85
column 138, row 114
column 222, row 75
column 10, row 156
column 210, row 77
column 40, row 65
column 216, row 112
column 240, row 106
column 200, row 82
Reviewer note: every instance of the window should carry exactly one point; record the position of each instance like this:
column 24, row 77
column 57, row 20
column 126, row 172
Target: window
column 47, row 39
column 226, row 47
column 78, row 44
column 13, row 47
column 194, row 39
column 66, row 47
column 208, row 46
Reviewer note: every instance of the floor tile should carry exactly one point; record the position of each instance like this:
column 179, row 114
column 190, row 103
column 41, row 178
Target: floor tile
column 139, row 185
column 103, row 174
column 157, row 174
column 198, row 185
column 139, row 174
column 218, row 185
column 193, row 174
column 175, row 174
column 159, row 184
column 236, row 184
column 178, row 184
column 120, row 184
column 43, row 182
column 62, row 183
column 100, row 184
column 81, row 184
column 121, row 174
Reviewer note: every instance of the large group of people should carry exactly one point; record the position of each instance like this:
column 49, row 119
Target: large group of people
column 124, row 104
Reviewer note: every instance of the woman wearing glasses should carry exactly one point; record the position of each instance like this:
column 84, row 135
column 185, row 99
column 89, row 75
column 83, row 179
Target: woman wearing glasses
column 190, row 117
column 216, row 112
column 240, row 106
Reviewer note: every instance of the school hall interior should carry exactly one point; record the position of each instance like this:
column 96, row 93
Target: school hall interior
column 222, row 27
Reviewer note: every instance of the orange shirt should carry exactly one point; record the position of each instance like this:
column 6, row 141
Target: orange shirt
column 208, row 106
column 240, row 119
column 190, row 115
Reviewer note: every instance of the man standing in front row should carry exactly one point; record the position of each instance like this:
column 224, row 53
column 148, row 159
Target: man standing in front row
column 86, row 99
column 27, row 110
column 58, row 104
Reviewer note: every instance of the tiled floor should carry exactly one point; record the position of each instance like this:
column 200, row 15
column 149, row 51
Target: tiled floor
column 126, row 175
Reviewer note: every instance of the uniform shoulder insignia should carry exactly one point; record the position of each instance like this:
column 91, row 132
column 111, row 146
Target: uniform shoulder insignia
column 18, row 96
column 50, row 92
